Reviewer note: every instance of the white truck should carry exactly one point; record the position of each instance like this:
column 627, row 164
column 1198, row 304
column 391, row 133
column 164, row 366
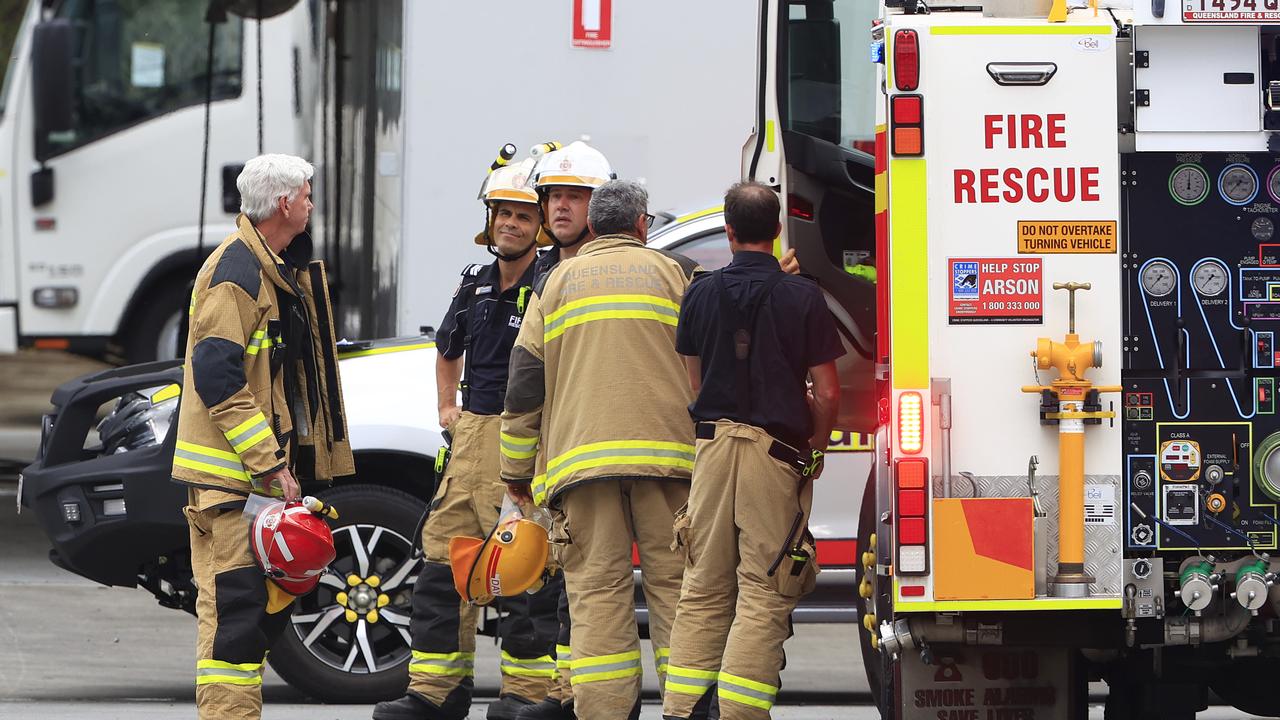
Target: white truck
column 1078, row 457
column 102, row 133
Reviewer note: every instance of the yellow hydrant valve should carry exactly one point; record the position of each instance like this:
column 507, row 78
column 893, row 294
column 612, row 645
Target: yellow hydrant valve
column 1070, row 402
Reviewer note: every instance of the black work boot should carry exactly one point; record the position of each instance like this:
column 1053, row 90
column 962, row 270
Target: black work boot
column 507, row 707
column 548, row 709
column 413, row 706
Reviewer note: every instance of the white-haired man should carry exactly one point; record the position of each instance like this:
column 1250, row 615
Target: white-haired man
column 261, row 409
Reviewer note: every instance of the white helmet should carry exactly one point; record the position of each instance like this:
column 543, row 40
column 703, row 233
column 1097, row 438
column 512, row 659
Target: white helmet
column 576, row 165
column 511, row 183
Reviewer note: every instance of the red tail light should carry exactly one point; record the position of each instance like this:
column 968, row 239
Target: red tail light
column 907, row 114
column 910, row 513
column 910, row 423
column 906, row 60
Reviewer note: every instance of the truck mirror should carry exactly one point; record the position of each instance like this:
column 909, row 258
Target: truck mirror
column 52, row 74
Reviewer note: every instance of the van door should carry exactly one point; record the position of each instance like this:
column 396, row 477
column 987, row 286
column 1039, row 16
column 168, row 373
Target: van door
column 814, row 142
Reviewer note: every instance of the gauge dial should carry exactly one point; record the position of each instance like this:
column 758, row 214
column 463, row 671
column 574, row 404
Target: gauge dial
column 1262, row 228
column 1189, row 184
column 1159, row 279
column 1210, row 279
column 1238, row 184
column 1273, row 184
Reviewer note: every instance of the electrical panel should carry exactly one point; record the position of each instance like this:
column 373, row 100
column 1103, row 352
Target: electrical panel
column 1201, row 270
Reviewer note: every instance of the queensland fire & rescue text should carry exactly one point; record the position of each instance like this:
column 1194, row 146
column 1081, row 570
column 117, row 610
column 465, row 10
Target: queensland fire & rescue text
column 1035, row 184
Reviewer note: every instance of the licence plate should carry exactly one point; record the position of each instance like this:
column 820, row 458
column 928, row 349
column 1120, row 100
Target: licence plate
column 1231, row 11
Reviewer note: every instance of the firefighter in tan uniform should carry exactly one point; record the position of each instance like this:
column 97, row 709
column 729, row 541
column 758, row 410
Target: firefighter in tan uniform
column 261, row 409
column 478, row 331
column 564, row 180
column 752, row 334
column 595, row 365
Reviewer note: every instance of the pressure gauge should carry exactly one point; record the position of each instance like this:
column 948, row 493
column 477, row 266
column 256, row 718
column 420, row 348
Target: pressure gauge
column 1273, row 184
column 1238, row 184
column 1262, row 229
column 1159, row 279
column 1210, row 279
column 1189, row 184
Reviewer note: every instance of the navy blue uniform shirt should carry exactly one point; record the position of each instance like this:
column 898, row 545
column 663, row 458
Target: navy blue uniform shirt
column 483, row 322
column 793, row 332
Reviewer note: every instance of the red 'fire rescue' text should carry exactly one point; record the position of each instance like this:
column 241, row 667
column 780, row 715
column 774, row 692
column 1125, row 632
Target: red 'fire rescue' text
column 1034, row 184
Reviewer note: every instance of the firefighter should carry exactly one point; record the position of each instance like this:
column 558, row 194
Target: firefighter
column 596, row 365
column 263, row 408
column 565, row 179
column 474, row 343
column 751, row 333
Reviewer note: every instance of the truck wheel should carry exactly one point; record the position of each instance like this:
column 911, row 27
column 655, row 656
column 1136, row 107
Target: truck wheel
column 152, row 330
column 872, row 661
column 357, row 652
column 1246, row 685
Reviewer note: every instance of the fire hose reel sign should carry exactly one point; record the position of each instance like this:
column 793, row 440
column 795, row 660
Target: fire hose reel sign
column 996, row 291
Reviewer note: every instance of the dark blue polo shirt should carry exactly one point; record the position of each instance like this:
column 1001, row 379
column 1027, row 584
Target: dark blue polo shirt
column 793, row 332
column 483, row 322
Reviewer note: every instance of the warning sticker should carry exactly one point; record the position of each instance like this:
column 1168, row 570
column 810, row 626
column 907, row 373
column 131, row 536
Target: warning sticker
column 996, row 291
column 1097, row 237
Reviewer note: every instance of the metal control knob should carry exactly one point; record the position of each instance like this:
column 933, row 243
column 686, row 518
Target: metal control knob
column 1142, row 568
column 1142, row 480
column 1213, row 474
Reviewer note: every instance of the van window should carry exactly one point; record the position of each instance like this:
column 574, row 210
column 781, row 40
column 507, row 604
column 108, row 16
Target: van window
column 139, row 59
column 830, row 82
column 11, row 22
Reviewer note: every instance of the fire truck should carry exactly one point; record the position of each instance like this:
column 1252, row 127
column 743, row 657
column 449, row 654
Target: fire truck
column 1072, row 214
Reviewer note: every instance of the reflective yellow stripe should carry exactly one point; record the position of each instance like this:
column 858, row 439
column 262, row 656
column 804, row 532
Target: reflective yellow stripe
column 209, row 672
column 249, row 433
column 563, row 655
column 689, row 681
column 700, row 214
column 191, row 309
column 660, row 657
column 544, row 666
column 384, row 351
column 209, row 460
column 747, row 692
column 457, row 663
column 908, row 267
column 518, row 448
column 1021, row 30
column 168, row 391
column 539, row 488
column 259, row 341
column 610, row 307
column 605, row 667
column 612, row 452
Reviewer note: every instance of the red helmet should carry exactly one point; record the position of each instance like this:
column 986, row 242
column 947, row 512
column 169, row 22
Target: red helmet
column 292, row 545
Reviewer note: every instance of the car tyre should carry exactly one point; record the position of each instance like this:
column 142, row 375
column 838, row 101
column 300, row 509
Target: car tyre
column 323, row 652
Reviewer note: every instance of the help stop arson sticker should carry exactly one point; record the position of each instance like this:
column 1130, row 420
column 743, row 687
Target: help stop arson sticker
column 996, row 291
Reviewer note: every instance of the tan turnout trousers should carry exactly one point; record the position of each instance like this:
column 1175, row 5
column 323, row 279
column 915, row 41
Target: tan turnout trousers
column 742, row 506
column 233, row 628
column 443, row 625
column 602, row 518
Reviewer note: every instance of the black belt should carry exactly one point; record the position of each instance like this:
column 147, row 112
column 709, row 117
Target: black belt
column 804, row 463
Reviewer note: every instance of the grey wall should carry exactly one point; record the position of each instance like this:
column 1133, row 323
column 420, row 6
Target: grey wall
column 671, row 102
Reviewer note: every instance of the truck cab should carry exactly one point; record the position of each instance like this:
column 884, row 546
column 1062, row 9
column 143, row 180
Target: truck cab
column 101, row 120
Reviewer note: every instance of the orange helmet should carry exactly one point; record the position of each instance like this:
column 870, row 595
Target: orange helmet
column 508, row 562
column 292, row 545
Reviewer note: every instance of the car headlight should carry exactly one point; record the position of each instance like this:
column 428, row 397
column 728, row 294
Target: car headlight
column 140, row 419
